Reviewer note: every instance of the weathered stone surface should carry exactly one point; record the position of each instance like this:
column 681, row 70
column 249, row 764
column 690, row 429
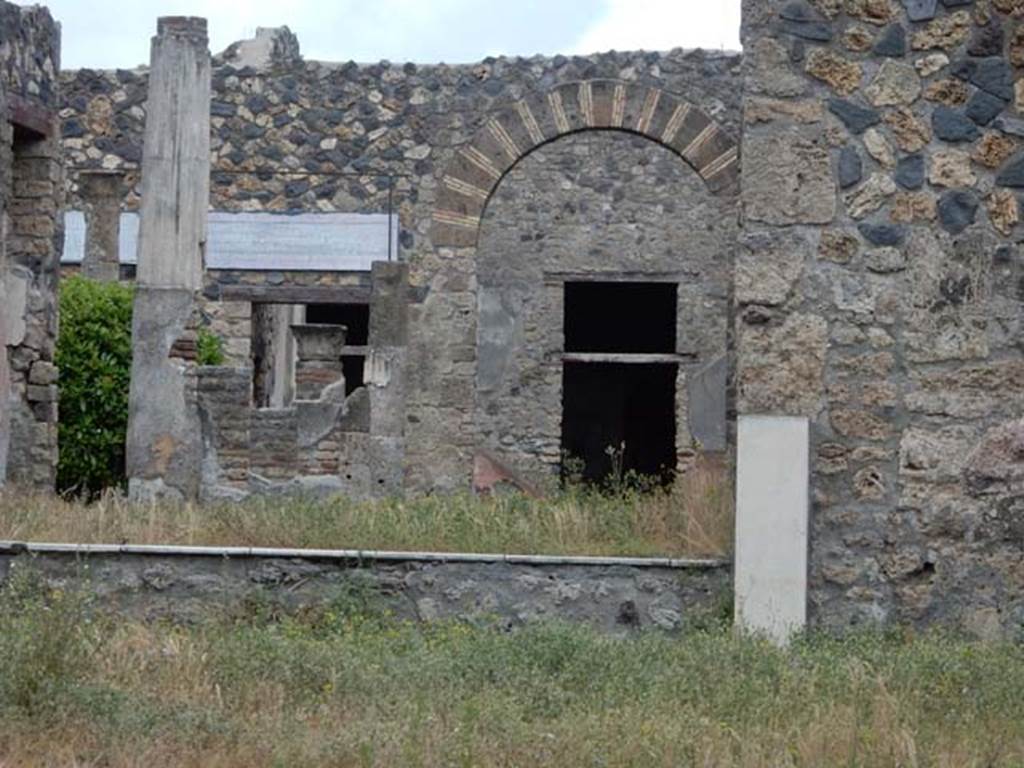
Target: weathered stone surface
column 879, row 148
column 841, row 74
column 983, row 107
column 882, row 234
column 910, row 172
column 770, row 70
column 860, row 424
column 781, row 367
column 788, row 180
column 913, row 207
column 992, row 75
column 767, row 110
column 885, row 260
column 993, row 150
column 838, row 246
column 892, row 42
column 957, row 210
column 949, row 284
column 997, row 464
column 945, row 32
column 878, row 12
column 912, row 134
column 851, row 167
column 895, row 83
column 951, row 168
column 871, row 196
column 192, row 589
column 987, row 40
column 855, row 117
column 950, row 125
column 31, row 209
column 950, row 92
column 1014, row 7
column 768, row 266
column 857, row 38
column 920, row 10
column 1003, row 210
column 1012, row 174
column 931, row 63
column 1016, row 46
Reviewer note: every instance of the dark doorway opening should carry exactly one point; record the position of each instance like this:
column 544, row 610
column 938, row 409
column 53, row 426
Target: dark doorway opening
column 631, row 318
column 619, row 418
column 356, row 319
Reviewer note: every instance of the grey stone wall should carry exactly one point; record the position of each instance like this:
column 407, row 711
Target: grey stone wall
column 194, row 588
column 31, row 199
column 294, row 135
column 878, row 293
column 590, row 206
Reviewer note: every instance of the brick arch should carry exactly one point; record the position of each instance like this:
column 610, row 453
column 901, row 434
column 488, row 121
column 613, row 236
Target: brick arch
column 512, row 133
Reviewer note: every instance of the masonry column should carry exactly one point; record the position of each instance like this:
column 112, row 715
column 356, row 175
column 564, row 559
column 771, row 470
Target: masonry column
column 5, row 182
column 164, row 443
column 102, row 195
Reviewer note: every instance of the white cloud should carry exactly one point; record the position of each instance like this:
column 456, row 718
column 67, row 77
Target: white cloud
column 114, row 33
column 659, row 25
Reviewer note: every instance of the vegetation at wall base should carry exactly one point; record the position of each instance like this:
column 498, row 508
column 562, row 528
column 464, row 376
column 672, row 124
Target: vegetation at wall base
column 94, row 355
column 344, row 685
column 695, row 518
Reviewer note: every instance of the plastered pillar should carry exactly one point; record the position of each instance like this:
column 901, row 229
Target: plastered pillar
column 164, row 444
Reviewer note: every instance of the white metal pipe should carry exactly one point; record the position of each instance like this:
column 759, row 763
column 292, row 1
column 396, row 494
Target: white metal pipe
column 370, row 555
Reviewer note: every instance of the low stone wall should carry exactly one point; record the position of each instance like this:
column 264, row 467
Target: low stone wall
column 184, row 586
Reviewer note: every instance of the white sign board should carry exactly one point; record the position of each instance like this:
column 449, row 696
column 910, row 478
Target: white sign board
column 74, row 238
column 772, row 505
column 321, row 242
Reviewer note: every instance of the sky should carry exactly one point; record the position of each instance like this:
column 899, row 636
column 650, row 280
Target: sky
column 106, row 34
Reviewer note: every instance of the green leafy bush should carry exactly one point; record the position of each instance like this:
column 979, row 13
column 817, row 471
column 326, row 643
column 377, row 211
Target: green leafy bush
column 209, row 348
column 94, row 354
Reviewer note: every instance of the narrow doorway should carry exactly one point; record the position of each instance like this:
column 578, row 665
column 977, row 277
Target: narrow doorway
column 619, row 373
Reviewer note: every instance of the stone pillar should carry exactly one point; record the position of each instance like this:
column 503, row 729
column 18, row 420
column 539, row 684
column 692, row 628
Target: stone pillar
column 164, row 444
column 5, row 181
column 102, row 194
column 385, row 374
column 319, row 359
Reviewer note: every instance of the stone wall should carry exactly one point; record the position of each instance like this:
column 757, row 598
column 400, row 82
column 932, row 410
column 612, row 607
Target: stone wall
column 606, row 206
column 324, row 441
column 878, row 293
column 290, row 135
column 613, row 598
column 31, row 200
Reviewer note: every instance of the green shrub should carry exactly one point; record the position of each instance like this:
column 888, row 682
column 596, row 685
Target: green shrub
column 94, row 354
column 209, row 348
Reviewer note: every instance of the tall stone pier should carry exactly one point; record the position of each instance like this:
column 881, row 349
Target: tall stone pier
column 163, row 427
column 5, row 380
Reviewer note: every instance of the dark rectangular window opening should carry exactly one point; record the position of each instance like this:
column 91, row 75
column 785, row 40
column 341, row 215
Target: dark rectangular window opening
column 356, row 319
column 620, row 317
column 619, row 418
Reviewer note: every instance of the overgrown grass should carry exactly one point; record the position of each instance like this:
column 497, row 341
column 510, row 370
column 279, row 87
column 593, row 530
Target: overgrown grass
column 338, row 687
column 693, row 519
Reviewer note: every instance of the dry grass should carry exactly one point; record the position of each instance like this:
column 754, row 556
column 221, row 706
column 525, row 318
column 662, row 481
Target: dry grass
column 344, row 689
column 693, row 519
